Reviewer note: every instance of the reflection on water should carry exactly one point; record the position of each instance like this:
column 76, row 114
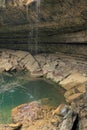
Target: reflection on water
column 16, row 89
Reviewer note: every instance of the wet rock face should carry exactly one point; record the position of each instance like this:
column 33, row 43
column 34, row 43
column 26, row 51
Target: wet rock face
column 55, row 18
column 27, row 112
column 68, row 121
column 17, row 2
column 61, row 110
column 19, row 60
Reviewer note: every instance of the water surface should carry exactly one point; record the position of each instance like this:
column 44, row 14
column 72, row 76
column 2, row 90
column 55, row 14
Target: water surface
column 18, row 88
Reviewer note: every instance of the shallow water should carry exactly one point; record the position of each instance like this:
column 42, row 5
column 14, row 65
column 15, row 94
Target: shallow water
column 17, row 88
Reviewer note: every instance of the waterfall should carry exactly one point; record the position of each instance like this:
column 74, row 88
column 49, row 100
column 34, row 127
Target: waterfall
column 37, row 25
column 34, row 30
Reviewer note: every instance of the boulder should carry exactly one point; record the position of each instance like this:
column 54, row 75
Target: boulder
column 74, row 97
column 81, row 88
column 75, row 92
column 69, row 92
column 73, row 80
column 27, row 112
column 68, row 121
column 61, row 110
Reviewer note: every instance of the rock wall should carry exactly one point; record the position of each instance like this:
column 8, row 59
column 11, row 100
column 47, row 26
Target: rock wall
column 59, row 21
column 15, row 3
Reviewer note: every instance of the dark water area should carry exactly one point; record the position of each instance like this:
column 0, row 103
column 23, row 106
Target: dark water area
column 16, row 89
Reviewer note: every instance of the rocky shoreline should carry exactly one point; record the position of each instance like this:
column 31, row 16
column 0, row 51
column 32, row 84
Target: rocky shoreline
column 69, row 71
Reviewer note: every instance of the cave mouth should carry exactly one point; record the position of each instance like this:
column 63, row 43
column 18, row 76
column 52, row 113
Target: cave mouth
column 17, row 88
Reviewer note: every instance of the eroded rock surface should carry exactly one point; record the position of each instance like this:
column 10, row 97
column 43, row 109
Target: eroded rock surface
column 19, row 60
column 68, row 121
column 27, row 112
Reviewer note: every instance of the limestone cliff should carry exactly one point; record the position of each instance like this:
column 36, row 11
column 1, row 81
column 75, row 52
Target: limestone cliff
column 54, row 17
column 18, row 3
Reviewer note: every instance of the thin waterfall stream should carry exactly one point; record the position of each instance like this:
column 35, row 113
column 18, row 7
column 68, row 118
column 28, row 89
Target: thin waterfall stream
column 37, row 23
column 34, row 30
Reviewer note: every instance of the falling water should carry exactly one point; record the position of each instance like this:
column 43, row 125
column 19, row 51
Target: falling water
column 37, row 25
column 34, row 27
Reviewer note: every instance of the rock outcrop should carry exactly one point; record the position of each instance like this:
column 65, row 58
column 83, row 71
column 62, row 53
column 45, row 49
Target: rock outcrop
column 61, row 110
column 68, row 121
column 16, row 3
column 73, row 80
column 61, row 118
column 27, row 112
column 19, row 60
column 68, row 71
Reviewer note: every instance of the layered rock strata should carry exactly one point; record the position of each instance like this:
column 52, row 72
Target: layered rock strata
column 68, row 71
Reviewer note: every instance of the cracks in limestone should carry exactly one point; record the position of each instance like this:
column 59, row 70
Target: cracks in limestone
column 33, row 63
column 75, row 125
column 37, row 62
column 24, row 64
column 23, row 58
column 65, row 77
column 27, row 63
column 20, row 62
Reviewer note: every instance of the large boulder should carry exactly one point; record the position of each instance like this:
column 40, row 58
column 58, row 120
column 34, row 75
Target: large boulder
column 68, row 121
column 27, row 112
column 74, row 97
column 61, row 110
column 73, row 80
